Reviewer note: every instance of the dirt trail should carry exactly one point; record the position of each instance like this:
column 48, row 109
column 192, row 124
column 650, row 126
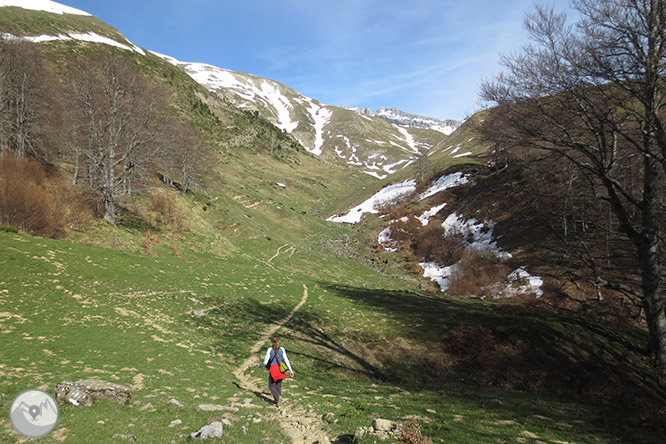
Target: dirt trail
column 297, row 424
column 279, row 252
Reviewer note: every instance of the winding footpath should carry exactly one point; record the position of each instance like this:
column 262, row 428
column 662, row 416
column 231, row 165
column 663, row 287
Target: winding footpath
column 299, row 425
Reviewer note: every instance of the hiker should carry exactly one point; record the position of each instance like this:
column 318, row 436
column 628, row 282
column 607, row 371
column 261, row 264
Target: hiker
column 274, row 356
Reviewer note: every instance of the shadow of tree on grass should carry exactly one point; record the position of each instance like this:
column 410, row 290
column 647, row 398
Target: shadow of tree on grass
column 506, row 345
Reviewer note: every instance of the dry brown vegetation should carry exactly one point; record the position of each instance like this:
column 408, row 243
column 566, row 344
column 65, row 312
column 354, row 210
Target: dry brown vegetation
column 36, row 202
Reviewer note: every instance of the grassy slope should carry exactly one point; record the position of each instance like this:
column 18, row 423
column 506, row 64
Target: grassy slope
column 30, row 22
column 61, row 301
column 96, row 305
column 70, row 311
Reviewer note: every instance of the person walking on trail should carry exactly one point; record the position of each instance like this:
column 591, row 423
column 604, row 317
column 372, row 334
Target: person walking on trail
column 275, row 355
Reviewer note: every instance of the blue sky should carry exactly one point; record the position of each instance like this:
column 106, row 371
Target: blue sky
column 421, row 56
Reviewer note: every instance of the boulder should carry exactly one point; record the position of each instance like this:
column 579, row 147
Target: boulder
column 215, row 408
column 74, row 396
column 382, row 425
column 87, row 391
column 360, row 432
column 209, row 431
column 176, row 402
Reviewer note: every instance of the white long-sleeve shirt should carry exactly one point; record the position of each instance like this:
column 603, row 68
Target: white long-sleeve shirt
column 284, row 357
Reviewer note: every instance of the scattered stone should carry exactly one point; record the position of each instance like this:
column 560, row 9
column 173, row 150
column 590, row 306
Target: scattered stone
column 226, row 419
column 85, row 392
column 544, row 418
column 199, row 313
column 214, row 408
column 176, row 402
column 209, row 431
column 125, row 437
column 175, row 423
column 507, row 422
column 148, row 408
column 382, row 436
column 381, row 429
column 306, row 421
column 360, row 432
column 382, row 425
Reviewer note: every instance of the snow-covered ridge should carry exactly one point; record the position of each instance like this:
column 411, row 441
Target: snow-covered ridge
column 404, row 119
column 407, row 120
column 42, row 5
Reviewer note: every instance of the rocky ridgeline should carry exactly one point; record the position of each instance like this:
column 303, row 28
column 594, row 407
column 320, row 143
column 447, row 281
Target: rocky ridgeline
column 401, row 118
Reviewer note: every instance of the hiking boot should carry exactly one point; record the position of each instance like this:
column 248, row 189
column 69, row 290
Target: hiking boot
column 277, row 402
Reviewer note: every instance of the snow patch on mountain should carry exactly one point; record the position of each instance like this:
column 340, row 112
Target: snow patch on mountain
column 321, row 116
column 481, row 235
column 281, row 105
column 409, row 139
column 87, row 37
column 250, row 88
column 429, row 214
column 444, row 183
column 385, row 196
column 42, row 5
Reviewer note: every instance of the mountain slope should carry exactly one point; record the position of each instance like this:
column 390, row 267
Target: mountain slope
column 338, row 134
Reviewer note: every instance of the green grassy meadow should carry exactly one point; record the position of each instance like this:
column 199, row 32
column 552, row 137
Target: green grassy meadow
column 70, row 311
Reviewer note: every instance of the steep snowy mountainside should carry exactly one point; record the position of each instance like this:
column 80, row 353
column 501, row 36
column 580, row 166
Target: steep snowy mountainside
column 351, row 137
column 346, row 136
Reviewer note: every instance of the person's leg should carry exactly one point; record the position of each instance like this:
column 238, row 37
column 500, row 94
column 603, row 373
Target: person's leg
column 275, row 388
column 278, row 385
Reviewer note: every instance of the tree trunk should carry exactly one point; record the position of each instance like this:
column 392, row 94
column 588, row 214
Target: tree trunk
column 650, row 255
column 109, row 207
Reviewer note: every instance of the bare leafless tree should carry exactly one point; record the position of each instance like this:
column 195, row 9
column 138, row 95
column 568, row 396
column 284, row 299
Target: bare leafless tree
column 593, row 94
column 182, row 156
column 24, row 98
column 118, row 118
